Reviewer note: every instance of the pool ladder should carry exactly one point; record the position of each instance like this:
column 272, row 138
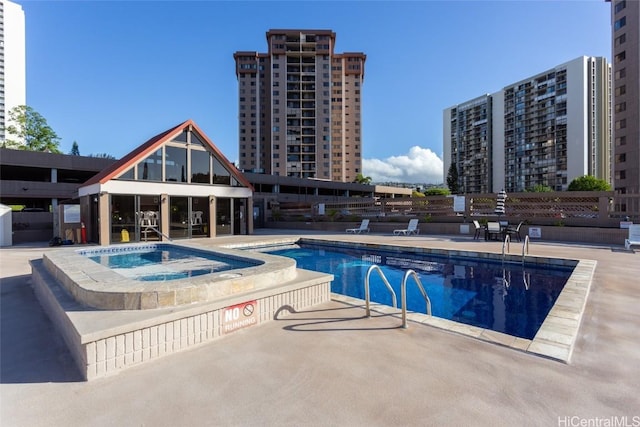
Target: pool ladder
column 507, row 241
column 403, row 292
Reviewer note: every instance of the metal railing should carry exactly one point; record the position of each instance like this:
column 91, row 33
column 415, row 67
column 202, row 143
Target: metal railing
column 403, row 295
column 366, row 288
column 158, row 232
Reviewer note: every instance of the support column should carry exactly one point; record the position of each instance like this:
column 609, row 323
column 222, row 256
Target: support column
column 104, row 218
column 250, row 215
column 212, row 217
column 164, row 215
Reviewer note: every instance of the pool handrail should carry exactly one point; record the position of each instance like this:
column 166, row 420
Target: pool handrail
column 160, row 233
column 506, row 243
column 403, row 295
column 366, row 288
column 525, row 244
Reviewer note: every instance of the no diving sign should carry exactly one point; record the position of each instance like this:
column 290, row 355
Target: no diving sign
column 239, row 316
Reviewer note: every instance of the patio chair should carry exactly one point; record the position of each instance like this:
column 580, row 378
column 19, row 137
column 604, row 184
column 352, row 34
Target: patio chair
column 364, row 226
column 412, row 228
column 634, row 236
column 479, row 229
column 512, row 231
column 492, row 231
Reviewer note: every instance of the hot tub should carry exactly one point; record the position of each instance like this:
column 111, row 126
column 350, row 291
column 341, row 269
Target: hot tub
column 163, row 279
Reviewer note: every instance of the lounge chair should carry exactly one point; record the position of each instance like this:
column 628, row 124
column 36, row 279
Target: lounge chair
column 364, row 226
column 634, row 236
column 412, row 228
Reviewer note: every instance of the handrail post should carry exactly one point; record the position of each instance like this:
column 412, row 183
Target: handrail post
column 403, row 295
column 366, row 288
column 506, row 242
column 525, row 244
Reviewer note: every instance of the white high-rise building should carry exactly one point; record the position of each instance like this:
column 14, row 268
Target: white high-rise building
column 13, row 82
column 545, row 130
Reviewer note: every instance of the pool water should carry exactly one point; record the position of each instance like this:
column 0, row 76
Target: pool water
column 506, row 297
column 164, row 262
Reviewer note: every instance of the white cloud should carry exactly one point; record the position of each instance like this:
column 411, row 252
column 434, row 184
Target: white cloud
column 420, row 165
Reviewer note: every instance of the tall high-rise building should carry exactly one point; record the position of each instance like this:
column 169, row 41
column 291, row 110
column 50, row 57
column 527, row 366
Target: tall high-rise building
column 300, row 107
column 625, row 38
column 544, row 130
column 13, row 87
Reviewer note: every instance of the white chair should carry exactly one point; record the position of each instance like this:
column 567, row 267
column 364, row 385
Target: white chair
column 148, row 223
column 412, row 228
column 364, row 226
column 196, row 218
column 634, row 236
column 478, row 230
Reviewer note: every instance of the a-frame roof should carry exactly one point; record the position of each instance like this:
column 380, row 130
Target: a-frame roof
column 156, row 142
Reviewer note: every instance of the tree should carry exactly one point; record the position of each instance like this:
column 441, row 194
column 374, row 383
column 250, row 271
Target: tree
column 539, row 188
column 589, row 183
column 30, row 131
column 436, row 191
column 361, row 179
column 452, row 179
column 75, row 151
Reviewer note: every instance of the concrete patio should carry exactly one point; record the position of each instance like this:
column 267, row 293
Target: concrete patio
column 331, row 366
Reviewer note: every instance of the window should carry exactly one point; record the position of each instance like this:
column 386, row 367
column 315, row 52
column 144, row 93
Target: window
column 620, row 74
column 620, row 39
column 621, row 90
column 620, row 57
column 620, row 5
column 200, row 167
column 621, row 140
column 621, row 158
column 621, row 107
column 620, row 23
column 621, row 124
column 150, row 169
column 176, row 164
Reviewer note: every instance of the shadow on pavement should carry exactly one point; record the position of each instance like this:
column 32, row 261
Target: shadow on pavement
column 31, row 350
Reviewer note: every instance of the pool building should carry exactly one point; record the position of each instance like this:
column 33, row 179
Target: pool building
column 175, row 185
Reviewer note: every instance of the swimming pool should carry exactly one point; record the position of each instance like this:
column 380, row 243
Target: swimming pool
column 508, row 297
column 161, row 262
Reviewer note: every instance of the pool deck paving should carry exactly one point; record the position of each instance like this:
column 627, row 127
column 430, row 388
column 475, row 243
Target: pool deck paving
column 330, row 365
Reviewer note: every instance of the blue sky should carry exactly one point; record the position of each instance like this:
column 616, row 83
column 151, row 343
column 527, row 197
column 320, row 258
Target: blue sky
column 110, row 75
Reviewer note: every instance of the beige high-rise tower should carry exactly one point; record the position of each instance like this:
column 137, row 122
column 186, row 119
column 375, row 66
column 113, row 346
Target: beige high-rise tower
column 300, row 107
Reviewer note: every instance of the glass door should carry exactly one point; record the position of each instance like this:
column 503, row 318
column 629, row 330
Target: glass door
column 189, row 217
column 147, row 218
column 223, row 217
column 179, row 217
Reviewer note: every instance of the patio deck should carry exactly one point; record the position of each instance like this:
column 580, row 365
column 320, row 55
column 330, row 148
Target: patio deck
column 330, row 365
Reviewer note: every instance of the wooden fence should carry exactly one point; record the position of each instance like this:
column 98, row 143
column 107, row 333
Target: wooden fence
column 588, row 208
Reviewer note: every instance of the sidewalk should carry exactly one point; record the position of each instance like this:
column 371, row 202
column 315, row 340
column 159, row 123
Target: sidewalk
column 332, row 366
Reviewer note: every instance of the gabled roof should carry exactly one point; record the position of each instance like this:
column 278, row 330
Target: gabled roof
column 154, row 144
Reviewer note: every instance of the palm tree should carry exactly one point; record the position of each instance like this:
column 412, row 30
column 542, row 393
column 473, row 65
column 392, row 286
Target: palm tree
column 361, row 179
